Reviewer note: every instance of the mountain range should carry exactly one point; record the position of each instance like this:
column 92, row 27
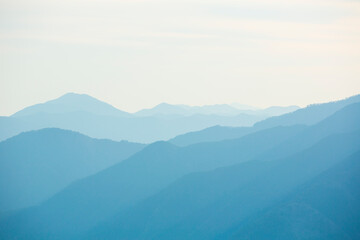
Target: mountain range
column 37, row 164
column 225, row 188
column 306, row 116
column 165, row 109
column 87, row 115
column 293, row 176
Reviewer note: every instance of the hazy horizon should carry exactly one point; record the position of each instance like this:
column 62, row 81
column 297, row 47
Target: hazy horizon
column 179, row 119
column 179, row 104
column 136, row 54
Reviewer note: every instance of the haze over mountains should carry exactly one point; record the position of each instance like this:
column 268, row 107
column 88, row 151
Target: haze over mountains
column 293, row 176
column 220, row 109
column 87, row 115
column 37, row 164
column 306, row 116
column 69, row 103
column 180, row 120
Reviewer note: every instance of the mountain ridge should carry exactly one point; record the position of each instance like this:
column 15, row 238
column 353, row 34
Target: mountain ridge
column 301, row 116
column 72, row 102
column 37, row 164
column 148, row 172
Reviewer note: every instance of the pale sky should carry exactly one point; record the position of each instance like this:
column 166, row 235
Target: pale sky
column 137, row 53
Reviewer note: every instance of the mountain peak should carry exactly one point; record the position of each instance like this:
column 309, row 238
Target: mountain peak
column 163, row 109
column 75, row 95
column 72, row 102
column 76, row 98
column 165, row 105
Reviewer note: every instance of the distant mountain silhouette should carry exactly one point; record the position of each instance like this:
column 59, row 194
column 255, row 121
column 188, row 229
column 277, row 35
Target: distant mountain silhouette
column 211, row 134
column 136, row 129
column 118, row 189
column 72, row 102
column 165, row 109
column 243, row 106
column 277, row 110
column 35, row 165
column 89, row 116
column 345, row 120
column 308, row 116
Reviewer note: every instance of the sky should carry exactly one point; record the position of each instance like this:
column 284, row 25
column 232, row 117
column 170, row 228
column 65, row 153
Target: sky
column 135, row 54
